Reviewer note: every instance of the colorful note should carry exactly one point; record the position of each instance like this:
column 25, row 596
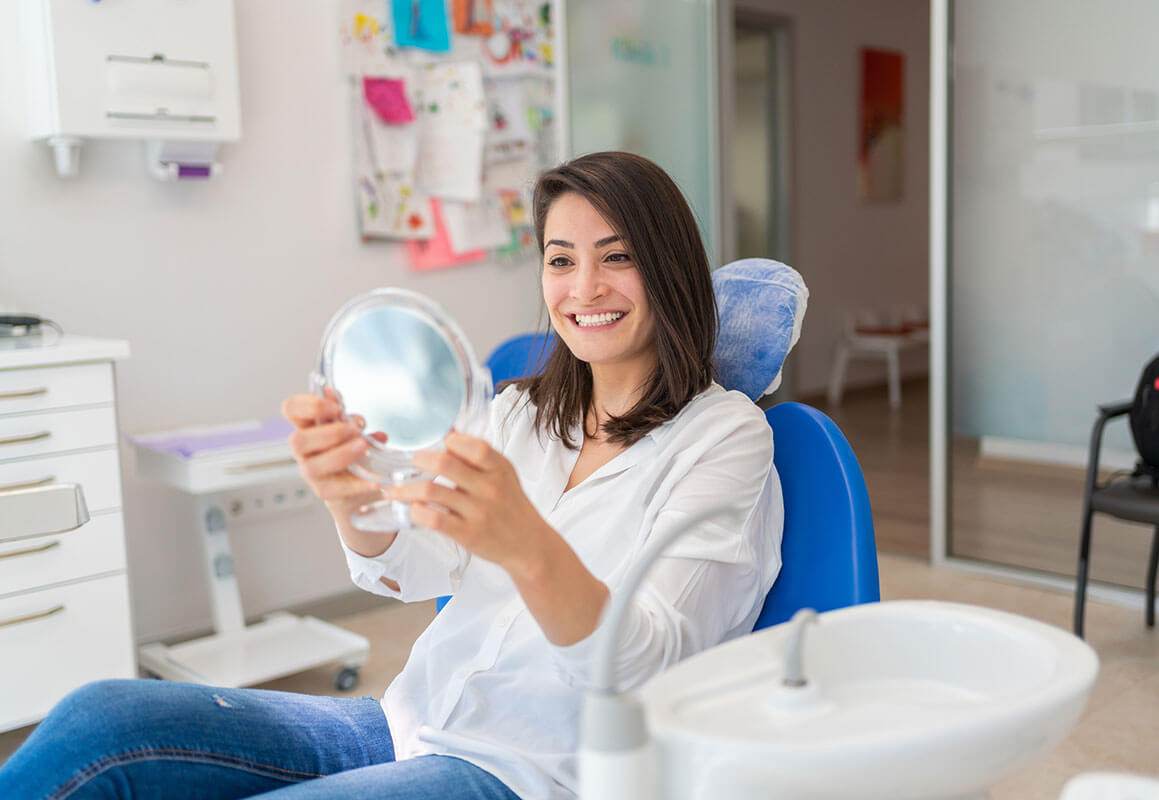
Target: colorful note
column 422, row 24
column 473, row 17
column 387, row 96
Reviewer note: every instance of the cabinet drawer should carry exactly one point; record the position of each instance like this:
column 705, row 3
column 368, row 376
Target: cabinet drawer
column 42, row 434
column 95, row 547
column 54, row 640
column 45, row 388
column 98, row 472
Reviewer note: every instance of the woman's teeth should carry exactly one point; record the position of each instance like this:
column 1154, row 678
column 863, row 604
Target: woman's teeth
column 591, row 320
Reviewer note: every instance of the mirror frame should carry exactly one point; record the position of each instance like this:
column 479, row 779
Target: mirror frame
column 383, row 464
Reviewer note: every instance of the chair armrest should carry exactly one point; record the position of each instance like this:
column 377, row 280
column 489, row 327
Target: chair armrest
column 1109, row 410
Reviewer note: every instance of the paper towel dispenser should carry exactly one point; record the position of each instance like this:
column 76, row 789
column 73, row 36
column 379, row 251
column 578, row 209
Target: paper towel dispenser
column 159, row 71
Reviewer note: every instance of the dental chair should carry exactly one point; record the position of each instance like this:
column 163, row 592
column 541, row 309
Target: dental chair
column 520, row 356
column 828, row 551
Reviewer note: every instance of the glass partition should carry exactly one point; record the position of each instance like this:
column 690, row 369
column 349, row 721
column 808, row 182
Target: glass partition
column 642, row 78
column 1053, row 270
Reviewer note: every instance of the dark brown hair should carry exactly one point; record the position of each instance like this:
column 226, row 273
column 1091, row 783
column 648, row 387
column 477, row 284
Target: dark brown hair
column 647, row 210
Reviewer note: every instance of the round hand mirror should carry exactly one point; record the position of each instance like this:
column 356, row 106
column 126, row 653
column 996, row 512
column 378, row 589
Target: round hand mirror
column 396, row 360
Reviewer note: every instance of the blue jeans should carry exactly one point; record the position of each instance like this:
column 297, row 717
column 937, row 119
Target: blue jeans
column 158, row 739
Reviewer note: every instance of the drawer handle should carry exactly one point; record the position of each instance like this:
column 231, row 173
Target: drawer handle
column 31, row 550
column 9, row 487
column 31, row 437
column 4, row 623
column 24, row 393
column 260, row 465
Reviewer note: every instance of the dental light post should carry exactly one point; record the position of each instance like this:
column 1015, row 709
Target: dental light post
column 615, row 755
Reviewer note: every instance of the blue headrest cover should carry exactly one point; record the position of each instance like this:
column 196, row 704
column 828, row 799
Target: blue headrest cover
column 762, row 304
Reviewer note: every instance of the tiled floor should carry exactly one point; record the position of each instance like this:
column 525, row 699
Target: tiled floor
column 1118, row 731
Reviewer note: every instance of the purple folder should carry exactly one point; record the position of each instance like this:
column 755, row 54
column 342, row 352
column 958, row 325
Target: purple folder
column 201, row 440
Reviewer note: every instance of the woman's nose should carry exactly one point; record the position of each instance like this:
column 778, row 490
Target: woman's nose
column 588, row 284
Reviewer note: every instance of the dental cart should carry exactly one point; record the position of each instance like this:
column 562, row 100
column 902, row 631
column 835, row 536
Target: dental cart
column 221, row 466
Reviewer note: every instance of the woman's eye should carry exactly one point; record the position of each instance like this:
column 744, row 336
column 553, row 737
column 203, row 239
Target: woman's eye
column 559, row 262
column 619, row 257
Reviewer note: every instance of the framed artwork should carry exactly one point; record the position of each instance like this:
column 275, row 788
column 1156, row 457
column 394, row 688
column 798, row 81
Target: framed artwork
column 881, row 143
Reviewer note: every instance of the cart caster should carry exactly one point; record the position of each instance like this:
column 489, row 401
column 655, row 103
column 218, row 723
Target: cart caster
column 346, row 679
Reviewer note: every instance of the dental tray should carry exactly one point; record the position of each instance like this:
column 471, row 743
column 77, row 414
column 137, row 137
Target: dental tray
column 217, row 457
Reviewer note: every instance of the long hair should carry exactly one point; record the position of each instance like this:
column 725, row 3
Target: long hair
column 646, row 209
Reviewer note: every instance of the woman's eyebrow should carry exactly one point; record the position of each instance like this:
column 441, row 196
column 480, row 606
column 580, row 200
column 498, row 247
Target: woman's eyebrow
column 607, row 240
column 603, row 242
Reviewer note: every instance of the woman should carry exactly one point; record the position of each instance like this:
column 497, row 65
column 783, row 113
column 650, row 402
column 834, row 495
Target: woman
column 621, row 436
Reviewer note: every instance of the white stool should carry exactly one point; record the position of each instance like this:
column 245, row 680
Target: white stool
column 1110, row 786
column 874, row 343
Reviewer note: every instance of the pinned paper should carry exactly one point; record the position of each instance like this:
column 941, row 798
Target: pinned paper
column 450, row 96
column 366, row 38
column 473, row 17
column 453, row 117
column 509, row 134
column 521, row 42
column 387, row 96
column 422, row 24
column 436, row 252
column 450, row 164
column 389, row 203
column 517, row 215
column 474, row 226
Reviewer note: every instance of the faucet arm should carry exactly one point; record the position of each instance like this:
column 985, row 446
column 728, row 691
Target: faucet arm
column 794, row 650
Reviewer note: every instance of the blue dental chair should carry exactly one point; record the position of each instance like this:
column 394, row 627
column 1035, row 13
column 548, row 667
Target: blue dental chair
column 520, row 356
column 828, row 551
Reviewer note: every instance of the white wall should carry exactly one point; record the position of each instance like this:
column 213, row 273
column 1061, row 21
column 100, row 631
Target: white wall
column 852, row 255
column 222, row 288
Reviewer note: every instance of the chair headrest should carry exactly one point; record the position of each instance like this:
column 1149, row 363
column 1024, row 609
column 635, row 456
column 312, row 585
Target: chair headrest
column 762, row 305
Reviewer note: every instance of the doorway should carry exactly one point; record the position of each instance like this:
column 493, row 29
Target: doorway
column 758, row 142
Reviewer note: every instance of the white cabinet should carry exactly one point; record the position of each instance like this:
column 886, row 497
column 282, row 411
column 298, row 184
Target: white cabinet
column 64, row 597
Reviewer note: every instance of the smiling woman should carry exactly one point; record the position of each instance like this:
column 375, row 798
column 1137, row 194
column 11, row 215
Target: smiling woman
column 628, row 289
column 621, row 440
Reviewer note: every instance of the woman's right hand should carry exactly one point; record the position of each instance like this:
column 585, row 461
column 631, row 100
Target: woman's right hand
column 325, row 445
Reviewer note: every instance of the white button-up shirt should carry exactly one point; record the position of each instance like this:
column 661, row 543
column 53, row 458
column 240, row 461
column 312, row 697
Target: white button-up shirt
column 484, row 684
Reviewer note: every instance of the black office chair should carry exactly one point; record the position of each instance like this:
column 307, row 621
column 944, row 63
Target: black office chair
column 1133, row 497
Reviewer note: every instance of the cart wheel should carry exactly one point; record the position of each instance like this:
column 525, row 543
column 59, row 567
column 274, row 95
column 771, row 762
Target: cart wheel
column 346, row 679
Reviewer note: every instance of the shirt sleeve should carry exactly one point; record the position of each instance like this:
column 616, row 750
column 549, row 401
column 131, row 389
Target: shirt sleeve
column 710, row 583
column 422, row 562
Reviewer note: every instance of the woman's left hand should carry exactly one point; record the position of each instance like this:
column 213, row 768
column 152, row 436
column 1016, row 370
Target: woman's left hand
column 486, row 512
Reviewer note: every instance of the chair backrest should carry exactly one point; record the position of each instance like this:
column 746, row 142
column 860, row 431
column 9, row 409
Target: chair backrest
column 828, row 552
column 519, row 356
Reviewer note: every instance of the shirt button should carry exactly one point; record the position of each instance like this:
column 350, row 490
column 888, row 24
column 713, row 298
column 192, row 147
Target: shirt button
column 503, row 621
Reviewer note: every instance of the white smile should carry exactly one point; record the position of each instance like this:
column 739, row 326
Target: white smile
column 594, row 320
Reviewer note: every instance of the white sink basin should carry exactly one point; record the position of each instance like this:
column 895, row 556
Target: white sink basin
column 906, row 700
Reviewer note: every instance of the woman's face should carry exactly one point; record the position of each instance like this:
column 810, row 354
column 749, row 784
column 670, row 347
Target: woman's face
column 593, row 291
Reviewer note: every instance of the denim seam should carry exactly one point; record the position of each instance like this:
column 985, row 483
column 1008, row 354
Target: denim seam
column 176, row 754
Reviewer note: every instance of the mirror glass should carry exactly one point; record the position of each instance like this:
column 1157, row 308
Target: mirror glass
column 400, row 374
column 402, row 369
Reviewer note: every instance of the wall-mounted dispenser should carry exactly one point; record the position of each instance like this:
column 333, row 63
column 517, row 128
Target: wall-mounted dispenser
column 163, row 72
